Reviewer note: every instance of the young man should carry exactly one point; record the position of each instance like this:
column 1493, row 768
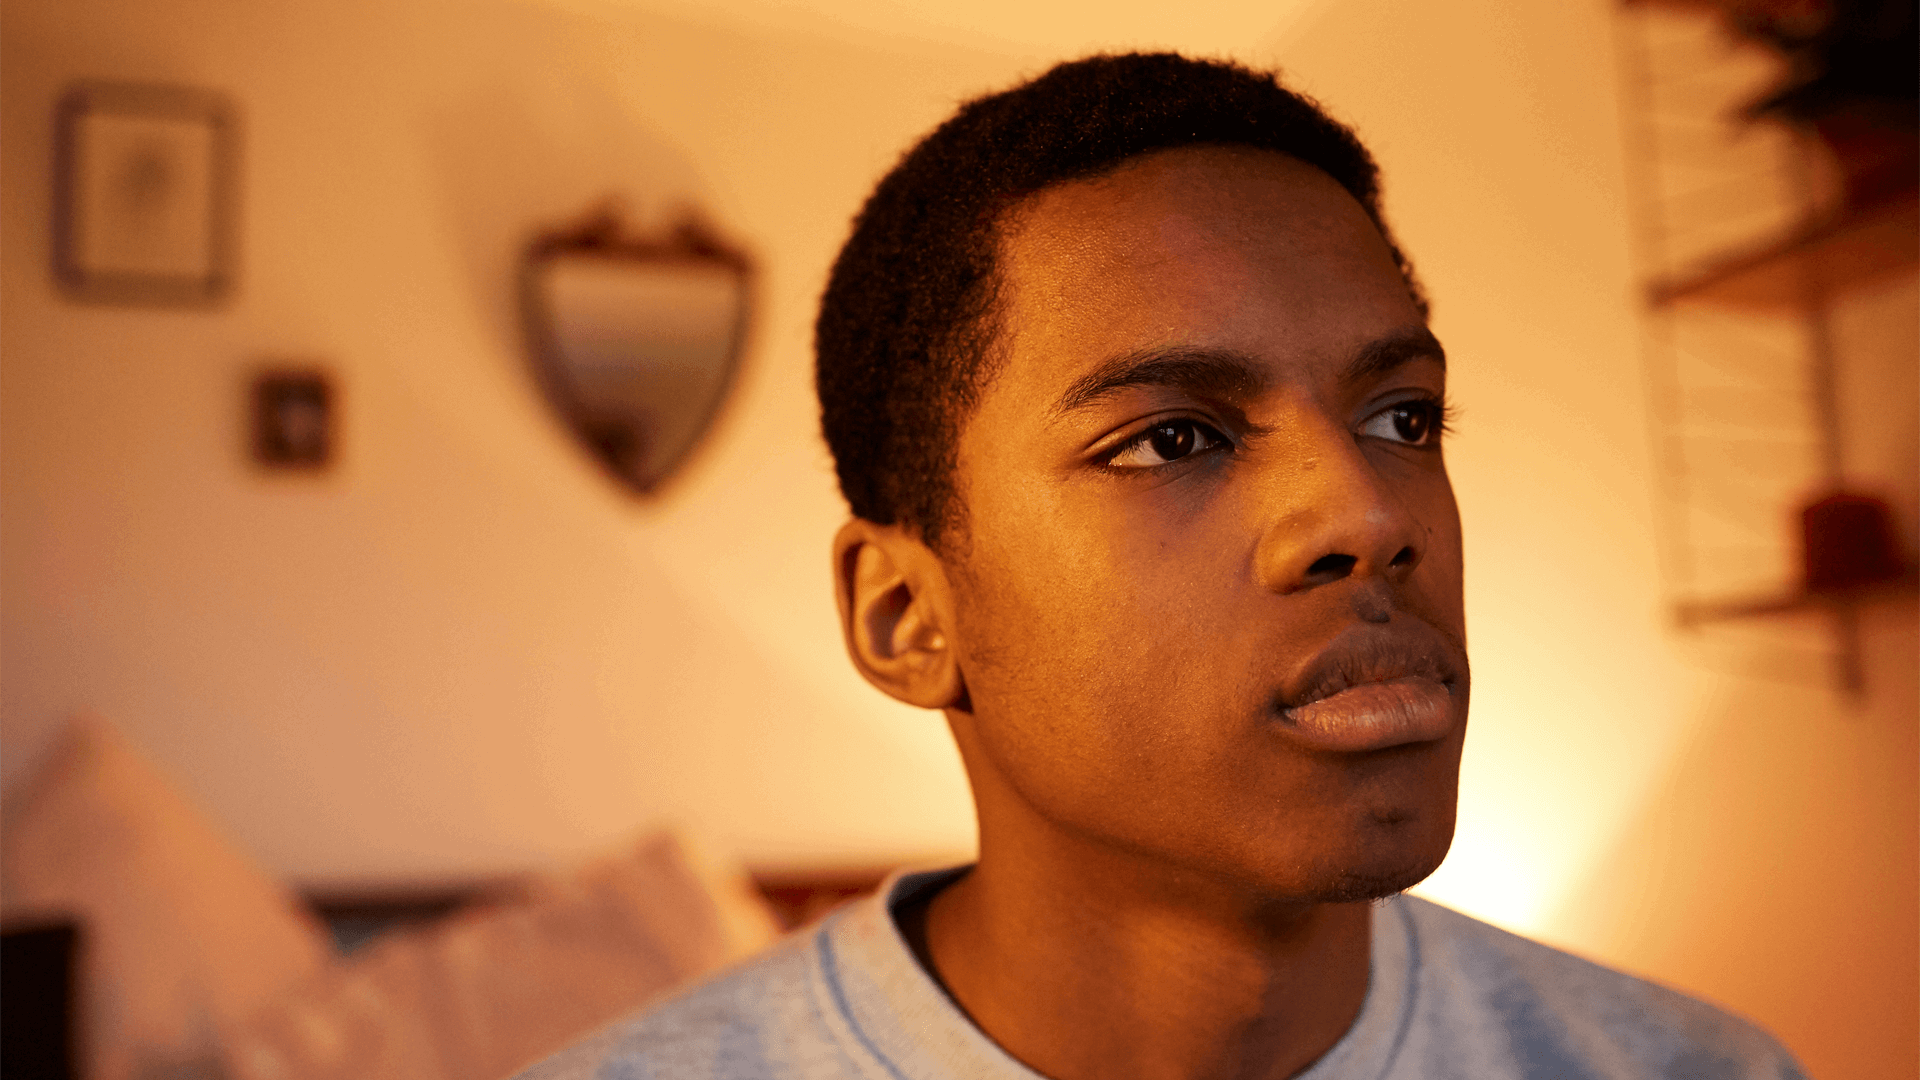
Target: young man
column 1139, row 416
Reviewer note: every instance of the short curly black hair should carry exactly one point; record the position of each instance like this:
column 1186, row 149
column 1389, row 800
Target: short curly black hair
column 905, row 330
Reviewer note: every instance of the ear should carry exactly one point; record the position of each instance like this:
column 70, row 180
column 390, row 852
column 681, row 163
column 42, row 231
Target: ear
column 895, row 610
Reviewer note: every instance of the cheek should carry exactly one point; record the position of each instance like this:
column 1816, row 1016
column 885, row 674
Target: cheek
column 1099, row 648
column 1055, row 630
column 1442, row 572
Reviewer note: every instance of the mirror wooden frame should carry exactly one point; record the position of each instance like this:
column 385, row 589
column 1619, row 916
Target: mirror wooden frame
column 617, row 443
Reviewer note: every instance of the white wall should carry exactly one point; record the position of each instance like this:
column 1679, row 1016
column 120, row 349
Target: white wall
column 463, row 653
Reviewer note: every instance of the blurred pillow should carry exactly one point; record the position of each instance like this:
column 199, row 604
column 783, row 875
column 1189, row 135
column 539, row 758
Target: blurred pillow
column 485, row 992
column 182, row 935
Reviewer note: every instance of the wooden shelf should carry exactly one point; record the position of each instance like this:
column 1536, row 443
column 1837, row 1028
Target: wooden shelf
column 1691, row 614
column 1827, row 257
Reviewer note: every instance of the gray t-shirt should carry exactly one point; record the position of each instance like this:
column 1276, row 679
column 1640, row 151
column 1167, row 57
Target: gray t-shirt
column 1447, row 997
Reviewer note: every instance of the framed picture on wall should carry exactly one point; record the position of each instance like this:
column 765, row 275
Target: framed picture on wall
column 144, row 193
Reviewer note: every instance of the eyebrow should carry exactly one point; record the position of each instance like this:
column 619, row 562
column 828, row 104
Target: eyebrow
column 1233, row 375
column 1382, row 355
column 1220, row 373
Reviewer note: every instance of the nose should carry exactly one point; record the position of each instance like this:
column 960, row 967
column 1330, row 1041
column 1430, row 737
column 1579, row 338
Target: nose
column 1332, row 516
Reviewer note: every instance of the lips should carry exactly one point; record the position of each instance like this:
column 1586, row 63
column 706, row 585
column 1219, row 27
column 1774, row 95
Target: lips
column 1371, row 693
column 1374, row 716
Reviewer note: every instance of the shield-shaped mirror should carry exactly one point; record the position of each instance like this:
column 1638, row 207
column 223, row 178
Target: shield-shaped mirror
column 635, row 340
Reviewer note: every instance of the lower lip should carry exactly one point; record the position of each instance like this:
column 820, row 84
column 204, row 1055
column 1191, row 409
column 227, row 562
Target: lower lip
column 1374, row 716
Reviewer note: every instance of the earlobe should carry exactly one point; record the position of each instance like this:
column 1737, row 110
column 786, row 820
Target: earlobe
column 894, row 613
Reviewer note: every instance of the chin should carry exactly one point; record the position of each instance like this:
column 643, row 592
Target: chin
column 1387, row 858
column 1354, row 888
column 1387, row 871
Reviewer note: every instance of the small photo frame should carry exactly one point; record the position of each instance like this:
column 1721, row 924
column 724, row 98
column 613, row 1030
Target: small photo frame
column 144, row 192
column 293, row 420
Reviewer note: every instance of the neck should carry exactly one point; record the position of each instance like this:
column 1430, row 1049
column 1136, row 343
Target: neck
column 1085, row 962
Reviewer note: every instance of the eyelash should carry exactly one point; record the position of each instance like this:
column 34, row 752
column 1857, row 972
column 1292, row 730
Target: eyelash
column 1206, row 433
column 1439, row 417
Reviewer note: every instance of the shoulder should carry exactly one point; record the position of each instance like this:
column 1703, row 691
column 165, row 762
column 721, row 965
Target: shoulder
column 1537, row 1010
column 760, row 1020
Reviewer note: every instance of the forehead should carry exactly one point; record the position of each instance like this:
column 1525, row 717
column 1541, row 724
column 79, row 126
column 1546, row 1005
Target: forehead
column 1205, row 246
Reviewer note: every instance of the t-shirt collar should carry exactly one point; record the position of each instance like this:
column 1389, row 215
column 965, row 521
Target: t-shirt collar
column 902, row 1016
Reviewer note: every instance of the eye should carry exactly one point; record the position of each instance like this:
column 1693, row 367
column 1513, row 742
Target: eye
column 1410, row 423
column 1166, row 443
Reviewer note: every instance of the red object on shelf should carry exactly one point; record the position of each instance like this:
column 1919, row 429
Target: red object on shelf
column 1847, row 542
column 1878, row 155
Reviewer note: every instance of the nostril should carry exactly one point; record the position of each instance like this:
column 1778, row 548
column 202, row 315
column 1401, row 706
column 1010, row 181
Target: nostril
column 1406, row 557
column 1328, row 568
